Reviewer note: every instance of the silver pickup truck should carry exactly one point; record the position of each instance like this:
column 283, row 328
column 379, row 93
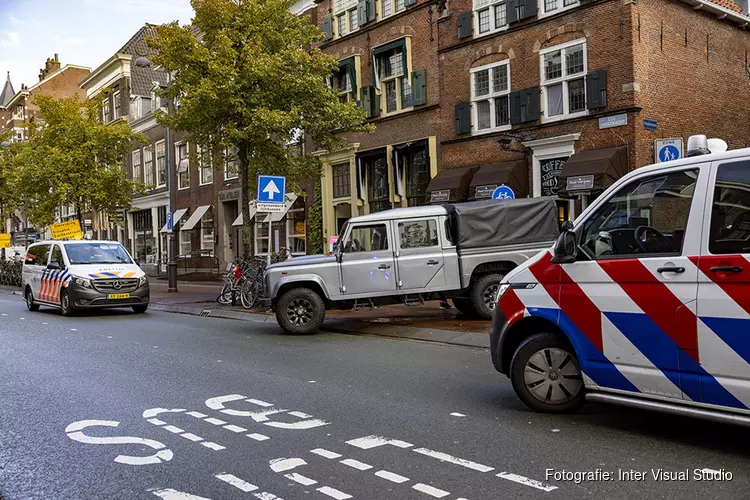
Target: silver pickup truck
column 409, row 255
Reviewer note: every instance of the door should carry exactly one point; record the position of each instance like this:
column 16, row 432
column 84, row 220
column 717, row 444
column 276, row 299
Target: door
column 367, row 265
column 633, row 291
column 53, row 279
column 724, row 288
column 420, row 255
column 36, row 263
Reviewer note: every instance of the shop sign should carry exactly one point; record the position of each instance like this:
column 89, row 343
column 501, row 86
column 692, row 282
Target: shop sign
column 440, row 196
column 229, row 195
column 580, row 183
column 551, row 176
column 485, row 191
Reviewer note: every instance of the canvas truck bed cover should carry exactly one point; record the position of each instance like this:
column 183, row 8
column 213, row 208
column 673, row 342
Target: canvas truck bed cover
column 490, row 223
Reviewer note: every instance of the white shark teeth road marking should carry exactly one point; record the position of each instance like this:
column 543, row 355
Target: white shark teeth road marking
column 192, row 437
column 526, row 481
column 430, row 490
column 285, row 464
column 368, row 442
column 325, row 453
column 152, row 412
column 213, row 446
column 196, row 414
column 170, row 494
column 235, row 428
column 258, row 437
column 299, row 478
column 356, row 464
column 215, row 421
column 173, row 429
column 444, row 457
column 259, row 402
column 156, row 421
column 390, row 476
column 334, row 493
column 238, row 483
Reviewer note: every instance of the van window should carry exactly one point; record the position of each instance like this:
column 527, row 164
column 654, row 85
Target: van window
column 57, row 256
column 418, row 233
column 730, row 213
column 97, row 253
column 646, row 217
column 367, row 239
column 37, row 255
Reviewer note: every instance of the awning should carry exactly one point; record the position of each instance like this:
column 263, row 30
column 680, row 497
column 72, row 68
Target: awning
column 197, row 216
column 277, row 216
column 592, row 171
column 239, row 221
column 514, row 174
column 450, row 185
column 175, row 219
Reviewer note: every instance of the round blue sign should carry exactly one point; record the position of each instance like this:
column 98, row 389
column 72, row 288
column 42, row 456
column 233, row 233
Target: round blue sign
column 669, row 153
column 503, row 193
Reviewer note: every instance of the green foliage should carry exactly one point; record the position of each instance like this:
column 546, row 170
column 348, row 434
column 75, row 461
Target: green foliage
column 244, row 77
column 315, row 222
column 73, row 159
column 9, row 172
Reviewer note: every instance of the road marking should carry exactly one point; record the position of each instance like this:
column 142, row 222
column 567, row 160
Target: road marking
column 215, row 421
column 426, row 488
column 299, row 414
column 152, row 412
column 163, row 455
column 21, row 318
column 333, row 493
column 72, row 329
column 444, row 457
column 390, row 476
column 236, row 482
column 192, row 437
column 196, row 414
column 173, row 429
column 284, row 464
column 42, row 323
column 213, row 446
column 156, row 421
column 301, row 425
column 235, row 428
column 170, row 494
column 526, row 481
column 217, row 403
column 303, row 480
column 259, row 402
column 456, row 414
column 108, row 336
column 258, row 437
column 356, row 464
column 6, row 315
column 325, row 453
column 368, row 442
column 264, row 495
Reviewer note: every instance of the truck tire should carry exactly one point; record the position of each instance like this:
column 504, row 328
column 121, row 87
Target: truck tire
column 546, row 375
column 300, row 311
column 482, row 295
column 464, row 307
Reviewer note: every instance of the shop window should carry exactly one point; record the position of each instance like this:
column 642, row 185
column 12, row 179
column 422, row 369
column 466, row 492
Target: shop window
column 563, row 80
column 417, row 177
column 342, row 180
column 378, row 189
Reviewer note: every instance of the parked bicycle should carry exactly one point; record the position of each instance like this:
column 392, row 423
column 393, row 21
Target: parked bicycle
column 243, row 281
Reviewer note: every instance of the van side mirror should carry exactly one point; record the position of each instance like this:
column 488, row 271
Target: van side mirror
column 566, row 249
column 53, row 265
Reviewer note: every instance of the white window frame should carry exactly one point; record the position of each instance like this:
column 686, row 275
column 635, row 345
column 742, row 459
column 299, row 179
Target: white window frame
column 267, row 238
column 398, row 77
column 18, row 112
column 345, row 8
column 201, row 167
column 177, row 159
column 290, row 231
column 156, row 163
column 186, row 237
column 203, row 234
column 148, row 172
column 137, row 166
column 143, row 111
column 564, row 79
column 478, row 6
column 227, row 175
column 491, row 96
column 560, row 7
column 116, row 110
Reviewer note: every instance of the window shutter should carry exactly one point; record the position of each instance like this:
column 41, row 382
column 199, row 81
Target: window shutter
column 511, row 12
column 409, row 3
column 374, row 100
column 515, row 107
column 524, row 106
column 327, row 28
column 464, row 25
column 419, row 87
column 362, row 12
column 596, row 90
column 365, row 101
column 529, row 8
column 371, row 12
column 463, row 118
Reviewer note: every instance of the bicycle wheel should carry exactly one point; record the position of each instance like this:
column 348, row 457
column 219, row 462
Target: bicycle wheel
column 225, row 297
column 249, row 294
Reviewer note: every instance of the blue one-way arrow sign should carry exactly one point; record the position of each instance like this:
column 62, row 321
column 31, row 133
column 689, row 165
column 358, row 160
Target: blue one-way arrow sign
column 271, row 189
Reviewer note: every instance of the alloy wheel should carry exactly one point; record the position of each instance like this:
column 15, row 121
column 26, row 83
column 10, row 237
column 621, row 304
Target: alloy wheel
column 300, row 311
column 552, row 375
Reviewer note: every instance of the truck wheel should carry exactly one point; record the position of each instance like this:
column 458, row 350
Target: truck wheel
column 546, row 375
column 483, row 294
column 463, row 306
column 30, row 305
column 300, row 311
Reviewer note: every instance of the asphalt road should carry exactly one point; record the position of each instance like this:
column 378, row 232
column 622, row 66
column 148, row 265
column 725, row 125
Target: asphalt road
column 256, row 414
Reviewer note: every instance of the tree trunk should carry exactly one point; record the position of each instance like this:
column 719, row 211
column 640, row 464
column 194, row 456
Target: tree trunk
column 247, row 227
column 79, row 215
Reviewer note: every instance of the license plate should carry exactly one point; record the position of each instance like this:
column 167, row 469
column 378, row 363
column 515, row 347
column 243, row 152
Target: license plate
column 118, row 296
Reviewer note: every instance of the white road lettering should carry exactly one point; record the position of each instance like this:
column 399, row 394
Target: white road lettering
column 163, row 455
column 299, row 478
column 325, row 453
column 334, row 493
column 390, row 476
column 456, row 414
column 367, row 442
column 258, row 437
column 285, row 464
column 356, row 464
column 299, row 414
column 526, row 481
column 156, row 411
column 444, row 457
column 170, row 494
column 238, row 483
column 217, row 403
column 430, row 490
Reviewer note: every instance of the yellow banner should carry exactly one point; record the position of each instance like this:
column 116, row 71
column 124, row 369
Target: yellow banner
column 70, row 230
column 4, row 240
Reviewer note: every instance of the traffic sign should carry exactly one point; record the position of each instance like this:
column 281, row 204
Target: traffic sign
column 503, row 193
column 668, row 149
column 271, row 189
column 170, row 221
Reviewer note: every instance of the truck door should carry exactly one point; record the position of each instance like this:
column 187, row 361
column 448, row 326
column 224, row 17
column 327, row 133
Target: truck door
column 420, row 255
column 724, row 287
column 367, row 264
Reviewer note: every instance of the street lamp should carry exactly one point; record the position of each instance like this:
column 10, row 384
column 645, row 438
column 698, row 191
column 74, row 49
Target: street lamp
column 144, row 62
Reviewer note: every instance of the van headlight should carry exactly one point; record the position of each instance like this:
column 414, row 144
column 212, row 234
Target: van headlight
column 143, row 281
column 501, row 291
column 84, row 282
column 507, row 286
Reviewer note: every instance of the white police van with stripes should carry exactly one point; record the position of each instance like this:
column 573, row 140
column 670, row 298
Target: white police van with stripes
column 644, row 300
column 83, row 274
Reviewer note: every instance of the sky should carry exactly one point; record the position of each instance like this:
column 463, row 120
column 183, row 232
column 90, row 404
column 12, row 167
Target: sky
column 82, row 32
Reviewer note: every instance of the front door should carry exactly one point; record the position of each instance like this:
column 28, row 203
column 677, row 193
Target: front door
column 420, row 255
column 36, row 263
column 367, row 264
column 53, row 279
column 724, row 288
column 634, row 290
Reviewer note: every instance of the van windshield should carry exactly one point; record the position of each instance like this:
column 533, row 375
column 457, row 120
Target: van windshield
column 97, row 253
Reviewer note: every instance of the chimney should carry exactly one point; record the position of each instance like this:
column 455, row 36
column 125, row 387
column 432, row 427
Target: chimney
column 51, row 66
column 41, row 75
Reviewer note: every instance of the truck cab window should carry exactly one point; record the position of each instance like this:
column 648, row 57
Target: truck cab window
column 730, row 213
column 372, row 238
column 646, row 217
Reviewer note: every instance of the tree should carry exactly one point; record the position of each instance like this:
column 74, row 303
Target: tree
column 245, row 79
column 9, row 196
column 74, row 159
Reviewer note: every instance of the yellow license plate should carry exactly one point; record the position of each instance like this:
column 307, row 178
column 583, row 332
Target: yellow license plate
column 118, row 296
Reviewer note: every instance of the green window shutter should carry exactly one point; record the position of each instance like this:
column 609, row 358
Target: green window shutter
column 365, row 101
column 419, row 87
column 463, row 118
column 327, row 28
column 362, row 12
column 374, row 101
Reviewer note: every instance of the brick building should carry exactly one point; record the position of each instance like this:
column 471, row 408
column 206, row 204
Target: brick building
column 546, row 98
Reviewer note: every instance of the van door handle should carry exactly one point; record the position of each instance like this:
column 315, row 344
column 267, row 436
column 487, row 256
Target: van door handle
column 432, row 263
column 671, row 269
column 727, row 269
column 383, row 267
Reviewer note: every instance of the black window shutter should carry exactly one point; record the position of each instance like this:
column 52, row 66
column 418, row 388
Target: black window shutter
column 596, row 90
column 463, row 118
column 409, row 3
column 532, row 104
column 370, row 10
column 419, row 87
column 464, row 25
column 362, row 12
column 511, row 12
column 515, row 107
column 327, row 28
column 529, row 8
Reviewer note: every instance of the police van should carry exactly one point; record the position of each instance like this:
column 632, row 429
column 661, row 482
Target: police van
column 83, row 274
column 644, row 300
